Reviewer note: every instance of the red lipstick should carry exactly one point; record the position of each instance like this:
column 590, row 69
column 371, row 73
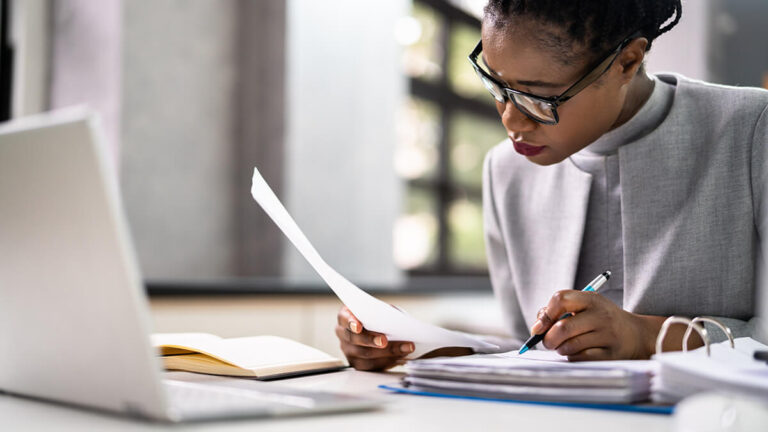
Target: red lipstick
column 527, row 149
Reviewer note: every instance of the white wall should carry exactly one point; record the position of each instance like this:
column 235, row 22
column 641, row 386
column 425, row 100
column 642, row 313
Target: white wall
column 344, row 85
column 31, row 34
column 86, row 60
column 178, row 158
column 685, row 48
column 178, row 90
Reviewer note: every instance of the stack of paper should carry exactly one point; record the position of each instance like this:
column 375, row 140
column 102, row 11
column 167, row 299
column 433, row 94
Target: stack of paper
column 729, row 370
column 535, row 376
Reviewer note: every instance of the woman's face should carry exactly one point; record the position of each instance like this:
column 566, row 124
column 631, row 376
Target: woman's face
column 517, row 59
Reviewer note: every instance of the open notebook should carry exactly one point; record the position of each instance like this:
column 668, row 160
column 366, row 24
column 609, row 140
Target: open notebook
column 261, row 357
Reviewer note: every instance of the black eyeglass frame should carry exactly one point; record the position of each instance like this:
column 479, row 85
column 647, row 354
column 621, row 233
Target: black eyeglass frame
column 555, row 101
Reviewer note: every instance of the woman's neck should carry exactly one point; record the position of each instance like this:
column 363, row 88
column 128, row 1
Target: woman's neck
column 639, row 91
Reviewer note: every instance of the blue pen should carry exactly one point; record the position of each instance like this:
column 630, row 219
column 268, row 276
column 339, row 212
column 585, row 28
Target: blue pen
column 592, row 286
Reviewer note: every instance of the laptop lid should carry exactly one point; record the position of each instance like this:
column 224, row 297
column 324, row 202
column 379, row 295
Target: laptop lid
column 73, row 314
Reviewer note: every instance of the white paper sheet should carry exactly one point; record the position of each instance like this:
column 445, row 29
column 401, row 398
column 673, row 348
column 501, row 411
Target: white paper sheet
column 538, row 359
column 535, row 375
column 729, row 370
column 373, row 313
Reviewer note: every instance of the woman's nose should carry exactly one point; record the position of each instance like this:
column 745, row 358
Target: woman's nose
column 513, row 119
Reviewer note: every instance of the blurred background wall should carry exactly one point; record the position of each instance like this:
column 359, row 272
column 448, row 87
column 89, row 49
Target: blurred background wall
column 363, row 115
column 343, row 87
column 178, row 164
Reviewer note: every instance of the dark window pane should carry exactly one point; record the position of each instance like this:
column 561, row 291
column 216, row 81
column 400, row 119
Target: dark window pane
column 416, row 155
column 466, row 248
column 415, row 242
column 472, row 136
column 424, row 58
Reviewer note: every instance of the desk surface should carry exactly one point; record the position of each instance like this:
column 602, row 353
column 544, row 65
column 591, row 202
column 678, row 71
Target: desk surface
column 401, row 412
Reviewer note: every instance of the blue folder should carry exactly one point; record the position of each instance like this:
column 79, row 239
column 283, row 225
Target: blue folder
column 638, row 408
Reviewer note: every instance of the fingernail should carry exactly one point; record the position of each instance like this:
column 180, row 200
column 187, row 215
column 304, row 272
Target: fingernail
column 379, row 341
column 354, row 326
column 537, row 326
column 407, row 348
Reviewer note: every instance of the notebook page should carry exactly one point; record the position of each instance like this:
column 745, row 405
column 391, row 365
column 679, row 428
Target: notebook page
column 192, row 340
column 267, row 351
column 248, row 352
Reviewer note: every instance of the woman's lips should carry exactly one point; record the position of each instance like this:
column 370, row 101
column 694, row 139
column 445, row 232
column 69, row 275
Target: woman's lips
column 527, row 149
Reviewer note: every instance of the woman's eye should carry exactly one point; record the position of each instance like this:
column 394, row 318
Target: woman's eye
column 546, row 95
column 538, row 94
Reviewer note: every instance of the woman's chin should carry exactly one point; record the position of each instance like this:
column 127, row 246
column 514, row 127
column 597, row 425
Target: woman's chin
column 545, row 158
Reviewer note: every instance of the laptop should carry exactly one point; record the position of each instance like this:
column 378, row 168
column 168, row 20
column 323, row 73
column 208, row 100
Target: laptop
column 74, row 319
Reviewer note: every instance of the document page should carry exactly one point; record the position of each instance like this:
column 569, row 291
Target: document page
column 727, row 370
column 535, row 359
column 542, row 375
column 375, row 315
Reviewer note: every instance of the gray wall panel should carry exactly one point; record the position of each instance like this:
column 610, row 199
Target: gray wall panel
column 178, row 149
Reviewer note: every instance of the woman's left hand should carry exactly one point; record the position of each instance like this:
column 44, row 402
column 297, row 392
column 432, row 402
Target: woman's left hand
column 598, row 330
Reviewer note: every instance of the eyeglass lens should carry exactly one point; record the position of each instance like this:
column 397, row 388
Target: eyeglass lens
column 539, row 110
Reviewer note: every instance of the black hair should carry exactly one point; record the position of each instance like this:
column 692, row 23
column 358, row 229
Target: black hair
column 598, row 25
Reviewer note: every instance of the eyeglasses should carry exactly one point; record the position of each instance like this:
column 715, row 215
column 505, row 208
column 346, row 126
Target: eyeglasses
column 538, row 108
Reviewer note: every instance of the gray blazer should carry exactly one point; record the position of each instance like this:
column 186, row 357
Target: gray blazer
column 694, row 213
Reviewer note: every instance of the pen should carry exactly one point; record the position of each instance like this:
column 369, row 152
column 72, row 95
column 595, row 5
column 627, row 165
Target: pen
column 592, row 286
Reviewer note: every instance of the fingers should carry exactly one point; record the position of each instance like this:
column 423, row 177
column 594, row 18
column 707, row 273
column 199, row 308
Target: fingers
column 561, row 303
column 570, row 327
column 566, row 301
column 379, row 364
column 372, row 358
column 592, row 354
column 449, row 352
column 348, row 320
column 583, row 342
column 365, row 338
column 543, row 322
column 373, row 341
column 367, row 350
column 395, row 349
column 354, row 333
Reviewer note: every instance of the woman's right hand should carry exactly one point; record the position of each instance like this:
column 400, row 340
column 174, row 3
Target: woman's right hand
column 367, row 350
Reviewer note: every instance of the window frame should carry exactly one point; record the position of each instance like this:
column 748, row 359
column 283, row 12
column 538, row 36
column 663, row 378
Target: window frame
column 442, row 186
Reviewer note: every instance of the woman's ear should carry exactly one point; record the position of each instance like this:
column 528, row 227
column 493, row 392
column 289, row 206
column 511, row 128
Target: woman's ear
column 631, row 58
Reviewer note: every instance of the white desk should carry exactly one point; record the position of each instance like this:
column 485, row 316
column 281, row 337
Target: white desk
column 401, row 413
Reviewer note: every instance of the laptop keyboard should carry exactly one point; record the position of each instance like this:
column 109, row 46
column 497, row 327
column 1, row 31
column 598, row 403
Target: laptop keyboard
column 192, row 401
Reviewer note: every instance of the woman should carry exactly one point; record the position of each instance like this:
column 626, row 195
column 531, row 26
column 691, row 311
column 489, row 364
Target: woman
column 660, row 179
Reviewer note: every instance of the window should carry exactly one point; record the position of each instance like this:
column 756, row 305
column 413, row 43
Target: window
column 447, row 126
